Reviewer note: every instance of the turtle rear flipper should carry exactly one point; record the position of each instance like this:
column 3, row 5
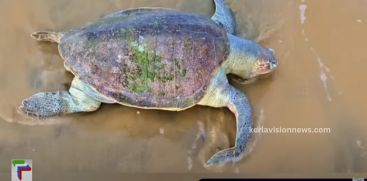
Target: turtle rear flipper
column 54, row 37
column 79, row 98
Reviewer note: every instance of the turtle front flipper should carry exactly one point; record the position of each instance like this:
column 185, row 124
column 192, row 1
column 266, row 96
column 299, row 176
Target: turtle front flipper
column 47, row 104
column 222, row 94
column 223, row 16
column 47, row 36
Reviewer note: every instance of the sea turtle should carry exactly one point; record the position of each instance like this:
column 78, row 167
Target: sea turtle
column 155, row 58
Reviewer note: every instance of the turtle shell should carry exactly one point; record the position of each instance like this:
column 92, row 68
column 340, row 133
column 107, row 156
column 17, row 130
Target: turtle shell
column 152, row 58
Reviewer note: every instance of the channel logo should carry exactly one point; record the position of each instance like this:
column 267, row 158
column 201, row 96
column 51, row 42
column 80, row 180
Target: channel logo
column 21, row 170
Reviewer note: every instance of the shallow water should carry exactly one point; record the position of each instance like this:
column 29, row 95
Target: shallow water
column 320, row 82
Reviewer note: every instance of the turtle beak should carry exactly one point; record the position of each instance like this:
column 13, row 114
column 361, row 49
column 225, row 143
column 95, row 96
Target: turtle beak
column 271, row 50
column 273, row 61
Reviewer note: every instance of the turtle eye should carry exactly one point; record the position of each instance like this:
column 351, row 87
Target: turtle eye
column 263, row 67
column 268, row 65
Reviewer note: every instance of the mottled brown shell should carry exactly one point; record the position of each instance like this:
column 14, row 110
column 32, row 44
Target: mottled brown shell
column 147, row 57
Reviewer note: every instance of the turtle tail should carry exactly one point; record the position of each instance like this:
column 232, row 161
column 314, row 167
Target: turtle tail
column 47, row 36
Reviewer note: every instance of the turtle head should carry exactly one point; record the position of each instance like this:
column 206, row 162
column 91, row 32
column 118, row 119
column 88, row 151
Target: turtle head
column 249, row 60
column 265, row 63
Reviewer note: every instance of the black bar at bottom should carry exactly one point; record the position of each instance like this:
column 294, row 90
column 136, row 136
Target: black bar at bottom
column 327, row 179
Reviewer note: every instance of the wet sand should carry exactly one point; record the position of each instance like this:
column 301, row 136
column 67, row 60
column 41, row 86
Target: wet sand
column 321, row 82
